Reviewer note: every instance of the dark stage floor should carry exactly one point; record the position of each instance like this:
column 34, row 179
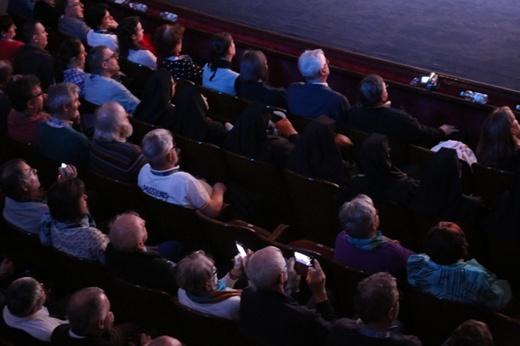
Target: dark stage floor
column 473, row 39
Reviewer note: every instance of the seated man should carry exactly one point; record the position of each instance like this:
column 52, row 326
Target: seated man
column 32, row 58
column 102, row 23
column 71, row 22
column 25, row 311
column 58, row 140
column 110, row 154
column 443, row 272
column 28, row 101
column 377, row 305
column 315, row 97
column 100, row 87
column 92, row 323
column 128, row 258
column 201, row 290
column 162, row 179
column 362, row 246
column 269, row 315
column 376, row 115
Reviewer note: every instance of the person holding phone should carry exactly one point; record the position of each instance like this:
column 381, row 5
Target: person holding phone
column 201, row 289
column 268, row 314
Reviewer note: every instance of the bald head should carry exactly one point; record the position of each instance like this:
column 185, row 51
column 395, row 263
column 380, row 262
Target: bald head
column 265, row 268
column 128, row 233
column 112, row 123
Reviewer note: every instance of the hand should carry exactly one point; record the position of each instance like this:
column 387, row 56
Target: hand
column 292, row 285
column 342, row 140
column 220, row 187
column 285, row 127
column 205, row 100
column 7, row 268
column 316, row 282
column 448, row 129
column 68, row 172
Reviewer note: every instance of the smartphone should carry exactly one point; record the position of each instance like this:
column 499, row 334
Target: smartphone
column 241, row 249
column 63, row 165
column 276, row 116
column 303, row 259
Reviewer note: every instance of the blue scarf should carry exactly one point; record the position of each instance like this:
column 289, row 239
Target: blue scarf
column 368, row 244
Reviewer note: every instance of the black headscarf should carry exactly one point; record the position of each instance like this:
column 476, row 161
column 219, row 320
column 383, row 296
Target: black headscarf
column 316, row 154
column 155, row 106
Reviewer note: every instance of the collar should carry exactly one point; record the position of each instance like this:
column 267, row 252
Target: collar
column 59, row 123
column 368, row 243
column 166, row 172
column 325, row 84
column 374, row 333
column 75, row 336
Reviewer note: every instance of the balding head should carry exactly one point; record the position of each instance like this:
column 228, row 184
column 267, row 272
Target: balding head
column 128, row 233
column 112, row 123
column 89, row 312
column 265, row 268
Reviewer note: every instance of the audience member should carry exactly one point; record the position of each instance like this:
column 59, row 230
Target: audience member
column 71, row 63
column 57, row 139
column 25, row 311
column 92, row 323
column 100, row 87
column 28, row 100
column 377, row 305
column 71, row 22
column 376, row 115
column 200, row 289
column 499, row 144
column 315, row 97
column 68, row 226
column 8, row 46
column 162, row 179
column 128, row 258
column 45, row 12
column 25, row 201
column 443, row 271
column 361, row 244
column 32, row 58
column 217, row 73
column 6, row 74
column 471, row 333
column 249, row 138
column 130, row 33
column 252, row 82
column 103, row 26
column 380, row 179
column 168, row 44
column 269, row 315
column 317, row 155
column 110, row 154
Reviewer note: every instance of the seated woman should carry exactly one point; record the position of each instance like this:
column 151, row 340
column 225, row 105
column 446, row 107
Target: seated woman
column 103, row 27
column 217, row 73
column 71, row 63
column 249, row 137
column 252, row 82
column 381, row 179
column 68, row 227
column 130, row 33
column 8, row 46
column 499, row 145
column 443, row 271
column 362, row 246
column 168, row 44
column 316, row 154
column 25, row 201
column 201, row 290
column 439, row 195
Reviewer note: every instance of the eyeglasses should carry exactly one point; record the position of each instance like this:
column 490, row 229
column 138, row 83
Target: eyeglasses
column 113, row 56
column 38, row 95
column 32, row 171
column 214, row 271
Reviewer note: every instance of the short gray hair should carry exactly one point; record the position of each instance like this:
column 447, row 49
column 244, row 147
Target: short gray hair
column 311, row 62
column 60, row 95
column 357, row 216
column 95, row 57
column 156, row 145
column 109, row 119
column 23, row 295
column 265, row 267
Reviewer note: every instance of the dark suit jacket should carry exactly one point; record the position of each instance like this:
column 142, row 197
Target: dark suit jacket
column 396, row 124
column 32, row 60
column 312, row 100
column 277, row 319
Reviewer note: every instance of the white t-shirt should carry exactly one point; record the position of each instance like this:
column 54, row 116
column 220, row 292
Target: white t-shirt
column 95, row 39
column 173, row 186
column 143, row 57
column 224, row 79
column 39, row 325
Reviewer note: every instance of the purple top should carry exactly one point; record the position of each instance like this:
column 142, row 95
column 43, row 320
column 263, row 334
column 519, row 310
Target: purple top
column 389, row 257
